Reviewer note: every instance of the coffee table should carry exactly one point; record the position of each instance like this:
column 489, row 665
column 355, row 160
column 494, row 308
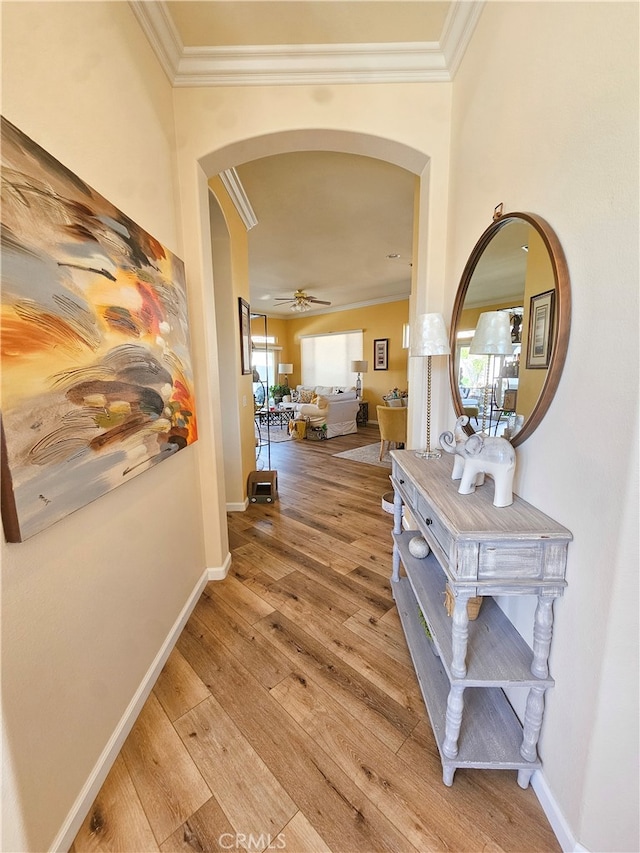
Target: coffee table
column 274, row 417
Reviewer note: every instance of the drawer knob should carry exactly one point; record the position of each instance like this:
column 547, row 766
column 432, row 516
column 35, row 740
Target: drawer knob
column 428, row 521
column 401, row 482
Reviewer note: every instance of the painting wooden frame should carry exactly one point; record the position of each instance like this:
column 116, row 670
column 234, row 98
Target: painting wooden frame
column 245, row 336
column 540, row 338
column 97, row 384
column 381, row 354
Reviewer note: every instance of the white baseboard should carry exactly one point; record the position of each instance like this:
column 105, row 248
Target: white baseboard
column 238, row 507
column 221, row 573
column 90, row 789
column 554, row 815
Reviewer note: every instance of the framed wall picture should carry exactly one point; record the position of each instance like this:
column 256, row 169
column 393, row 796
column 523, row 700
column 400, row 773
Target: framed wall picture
column 381, row 354
column 245, row 335
column 540, row 330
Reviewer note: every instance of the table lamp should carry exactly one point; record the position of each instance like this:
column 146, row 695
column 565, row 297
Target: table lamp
column 285, row 370
column 359, row 367
column 428, row 339
column 492, row 337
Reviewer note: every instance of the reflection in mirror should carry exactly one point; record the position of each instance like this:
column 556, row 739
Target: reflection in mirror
column 517, row 267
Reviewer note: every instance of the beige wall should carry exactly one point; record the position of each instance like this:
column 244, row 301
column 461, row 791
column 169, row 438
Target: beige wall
column 88, row 604
column 84, row 616
column 546, row 120
column 223, row 127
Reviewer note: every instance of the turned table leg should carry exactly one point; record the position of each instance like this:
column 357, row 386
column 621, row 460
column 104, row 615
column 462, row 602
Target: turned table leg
column 542, row 630
column 532, row 723
column 453, row 721
column 447, row 775
column 524, row 777
column 459, row 637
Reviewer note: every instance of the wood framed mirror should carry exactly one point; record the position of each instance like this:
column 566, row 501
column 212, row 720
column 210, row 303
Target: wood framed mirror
column 518, row 267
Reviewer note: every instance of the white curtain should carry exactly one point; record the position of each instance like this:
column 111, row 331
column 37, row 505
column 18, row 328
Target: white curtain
column 326, row 359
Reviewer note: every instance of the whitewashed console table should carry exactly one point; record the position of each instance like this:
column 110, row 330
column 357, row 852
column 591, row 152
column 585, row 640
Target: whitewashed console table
column 477, row 549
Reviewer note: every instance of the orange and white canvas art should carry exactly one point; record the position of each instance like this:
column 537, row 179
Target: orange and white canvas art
column 97, row 383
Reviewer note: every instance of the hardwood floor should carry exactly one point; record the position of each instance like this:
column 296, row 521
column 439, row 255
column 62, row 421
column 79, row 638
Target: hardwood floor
column 288, row 716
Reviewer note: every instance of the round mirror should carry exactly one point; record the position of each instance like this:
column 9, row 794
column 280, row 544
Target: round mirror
column 517, row 270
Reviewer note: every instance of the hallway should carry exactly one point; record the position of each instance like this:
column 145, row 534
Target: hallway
column 288, row 716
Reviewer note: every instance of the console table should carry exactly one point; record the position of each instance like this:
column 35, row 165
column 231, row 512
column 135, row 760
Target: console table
column 463, row 666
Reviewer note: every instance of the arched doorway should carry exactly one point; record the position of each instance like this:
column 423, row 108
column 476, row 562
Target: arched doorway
column 388, row 150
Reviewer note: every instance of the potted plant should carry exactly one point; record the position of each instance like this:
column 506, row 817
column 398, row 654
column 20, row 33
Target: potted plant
column 278, row 392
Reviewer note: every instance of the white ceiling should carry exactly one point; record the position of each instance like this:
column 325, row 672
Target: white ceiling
column 326, row 221
column 260, row 22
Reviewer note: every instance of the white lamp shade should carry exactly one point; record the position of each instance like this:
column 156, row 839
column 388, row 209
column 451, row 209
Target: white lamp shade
column 285, row 368
column 359, row 366
column 429, row 336
column 492, row 335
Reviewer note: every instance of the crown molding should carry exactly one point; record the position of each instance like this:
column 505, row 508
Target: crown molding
column 458, row 29
column 319, row 64
column 233, row 185
column 157, row 24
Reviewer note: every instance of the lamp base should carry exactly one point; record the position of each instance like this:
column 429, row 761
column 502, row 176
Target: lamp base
column 428, row 454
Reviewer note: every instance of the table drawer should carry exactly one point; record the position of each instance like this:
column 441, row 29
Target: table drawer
column 406, row 485
column 510, row 560
column 429, row 519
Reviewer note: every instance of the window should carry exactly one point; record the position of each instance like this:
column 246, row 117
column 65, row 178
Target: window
column 263, row 358
column 326, row 359
column 264, row 353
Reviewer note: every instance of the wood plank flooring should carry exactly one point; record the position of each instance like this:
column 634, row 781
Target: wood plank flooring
column 288, row 716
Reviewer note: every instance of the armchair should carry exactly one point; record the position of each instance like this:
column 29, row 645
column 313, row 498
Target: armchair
column 392, row 422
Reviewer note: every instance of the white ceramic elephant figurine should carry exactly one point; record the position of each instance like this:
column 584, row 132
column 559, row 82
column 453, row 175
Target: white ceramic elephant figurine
column 480, row 455
column 453, row 442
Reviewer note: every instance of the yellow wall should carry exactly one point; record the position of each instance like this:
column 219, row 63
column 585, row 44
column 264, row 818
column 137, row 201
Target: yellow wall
column 469, row 316
column 376, row 321
column 539, row 274
column 230, row 253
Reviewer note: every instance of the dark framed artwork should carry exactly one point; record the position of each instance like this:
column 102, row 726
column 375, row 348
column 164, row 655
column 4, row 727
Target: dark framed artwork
column 97, row 383
column 381, row 354
column 540, row 339
column 245, row 335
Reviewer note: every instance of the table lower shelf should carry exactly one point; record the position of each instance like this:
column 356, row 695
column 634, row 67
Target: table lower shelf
column 491, row 734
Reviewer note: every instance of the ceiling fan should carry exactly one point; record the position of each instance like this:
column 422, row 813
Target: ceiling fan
column 301, row 301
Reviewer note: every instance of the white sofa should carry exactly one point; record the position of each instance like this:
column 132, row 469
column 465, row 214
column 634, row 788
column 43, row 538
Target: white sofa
column 333, row 406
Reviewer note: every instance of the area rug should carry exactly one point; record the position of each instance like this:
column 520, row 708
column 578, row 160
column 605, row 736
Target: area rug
column 368, row 454
column 275, row 434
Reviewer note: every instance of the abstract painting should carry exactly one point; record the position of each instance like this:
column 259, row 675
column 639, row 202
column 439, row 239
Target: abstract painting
column 97, row 383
